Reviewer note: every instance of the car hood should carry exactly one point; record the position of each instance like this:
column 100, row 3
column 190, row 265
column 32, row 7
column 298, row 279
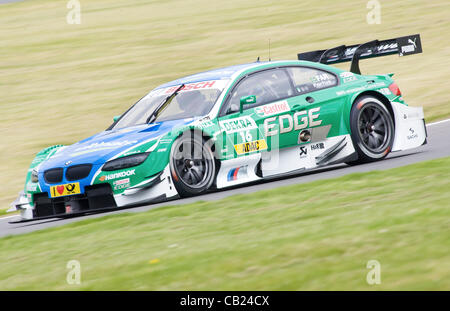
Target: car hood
column 103, row 146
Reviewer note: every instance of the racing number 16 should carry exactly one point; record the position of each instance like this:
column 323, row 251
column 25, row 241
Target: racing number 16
column 246, row 136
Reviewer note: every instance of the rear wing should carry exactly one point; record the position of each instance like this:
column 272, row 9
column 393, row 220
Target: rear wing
column 402, row 46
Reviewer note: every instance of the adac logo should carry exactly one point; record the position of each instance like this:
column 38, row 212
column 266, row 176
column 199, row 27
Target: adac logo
column 252, row 146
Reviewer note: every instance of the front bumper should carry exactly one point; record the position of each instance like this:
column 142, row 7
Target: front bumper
column 96, row 198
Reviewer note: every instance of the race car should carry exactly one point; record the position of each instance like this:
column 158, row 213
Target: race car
column 228, row 127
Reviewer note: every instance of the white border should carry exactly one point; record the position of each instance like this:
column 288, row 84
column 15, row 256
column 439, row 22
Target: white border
column 438, row 122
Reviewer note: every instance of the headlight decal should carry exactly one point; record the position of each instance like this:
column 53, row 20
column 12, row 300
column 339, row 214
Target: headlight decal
column 34, row 176
column 117, row 156
column 125, row 162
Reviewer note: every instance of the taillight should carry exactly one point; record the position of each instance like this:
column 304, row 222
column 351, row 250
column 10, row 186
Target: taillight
column 395, row 89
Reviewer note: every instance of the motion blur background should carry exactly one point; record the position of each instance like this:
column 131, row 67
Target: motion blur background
column 60, row 83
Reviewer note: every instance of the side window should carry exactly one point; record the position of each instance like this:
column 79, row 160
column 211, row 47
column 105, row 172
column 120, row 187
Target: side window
column 309, row 79
column 267, row 86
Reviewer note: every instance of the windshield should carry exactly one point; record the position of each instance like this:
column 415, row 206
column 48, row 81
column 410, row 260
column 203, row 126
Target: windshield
column 193, row 100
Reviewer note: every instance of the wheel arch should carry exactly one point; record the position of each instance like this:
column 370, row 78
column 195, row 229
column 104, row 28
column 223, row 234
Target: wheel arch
column 378, row 96
column 388, row 106
column 208, row 137
column 375, row 94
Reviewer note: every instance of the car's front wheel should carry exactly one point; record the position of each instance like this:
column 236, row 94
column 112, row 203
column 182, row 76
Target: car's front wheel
column 372, row 129
column 192, row 165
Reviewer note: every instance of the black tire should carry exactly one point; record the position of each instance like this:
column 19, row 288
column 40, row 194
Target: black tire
column 192, row 165
column 372, row 129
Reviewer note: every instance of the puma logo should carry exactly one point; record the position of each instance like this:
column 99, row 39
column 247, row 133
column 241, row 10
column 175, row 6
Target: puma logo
column 410, row 48
column 413, row 42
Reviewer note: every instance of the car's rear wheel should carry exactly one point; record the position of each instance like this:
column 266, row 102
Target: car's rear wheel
column 192, row 165
column 372, row 129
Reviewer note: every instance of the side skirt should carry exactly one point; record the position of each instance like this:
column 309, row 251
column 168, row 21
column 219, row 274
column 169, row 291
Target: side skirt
column 285, row 162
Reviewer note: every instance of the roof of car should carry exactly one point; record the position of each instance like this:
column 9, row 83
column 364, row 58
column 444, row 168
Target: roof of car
column 226, row 73
column 215, row 74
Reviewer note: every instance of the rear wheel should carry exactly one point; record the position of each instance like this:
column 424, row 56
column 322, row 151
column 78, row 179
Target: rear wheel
column 372, row 129
column 192, row 165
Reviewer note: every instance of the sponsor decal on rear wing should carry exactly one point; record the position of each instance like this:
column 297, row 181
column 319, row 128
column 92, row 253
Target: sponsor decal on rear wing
column 402, row 46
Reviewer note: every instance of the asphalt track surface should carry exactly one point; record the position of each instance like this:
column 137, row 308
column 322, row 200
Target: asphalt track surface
column 438, row 147
column 8, row 1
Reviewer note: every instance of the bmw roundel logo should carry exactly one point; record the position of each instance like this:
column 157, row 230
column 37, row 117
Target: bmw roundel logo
column 68, row 162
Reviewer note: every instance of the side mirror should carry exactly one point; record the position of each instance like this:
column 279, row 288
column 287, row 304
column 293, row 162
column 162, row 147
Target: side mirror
column 116, row 118
column 247, row 100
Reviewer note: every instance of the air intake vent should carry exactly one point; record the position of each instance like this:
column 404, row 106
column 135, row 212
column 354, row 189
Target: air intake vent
column 54, row 175
column 78, row 172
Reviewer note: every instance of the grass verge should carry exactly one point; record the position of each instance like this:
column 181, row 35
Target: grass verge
column 302, row 237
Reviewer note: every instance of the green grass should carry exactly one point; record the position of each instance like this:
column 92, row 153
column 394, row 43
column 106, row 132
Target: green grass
column 2, row 212
column 60, row 83
column 302, row 237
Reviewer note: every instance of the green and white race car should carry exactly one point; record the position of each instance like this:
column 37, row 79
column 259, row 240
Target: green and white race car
column 228, row 127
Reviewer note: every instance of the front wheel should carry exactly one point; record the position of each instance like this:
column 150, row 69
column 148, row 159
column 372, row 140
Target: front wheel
column 192, row 165
column 372, row 129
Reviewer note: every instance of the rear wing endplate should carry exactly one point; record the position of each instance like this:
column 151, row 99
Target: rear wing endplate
column 402, row 46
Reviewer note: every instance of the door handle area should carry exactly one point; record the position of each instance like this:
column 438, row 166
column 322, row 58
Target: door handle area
column 309, row 99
